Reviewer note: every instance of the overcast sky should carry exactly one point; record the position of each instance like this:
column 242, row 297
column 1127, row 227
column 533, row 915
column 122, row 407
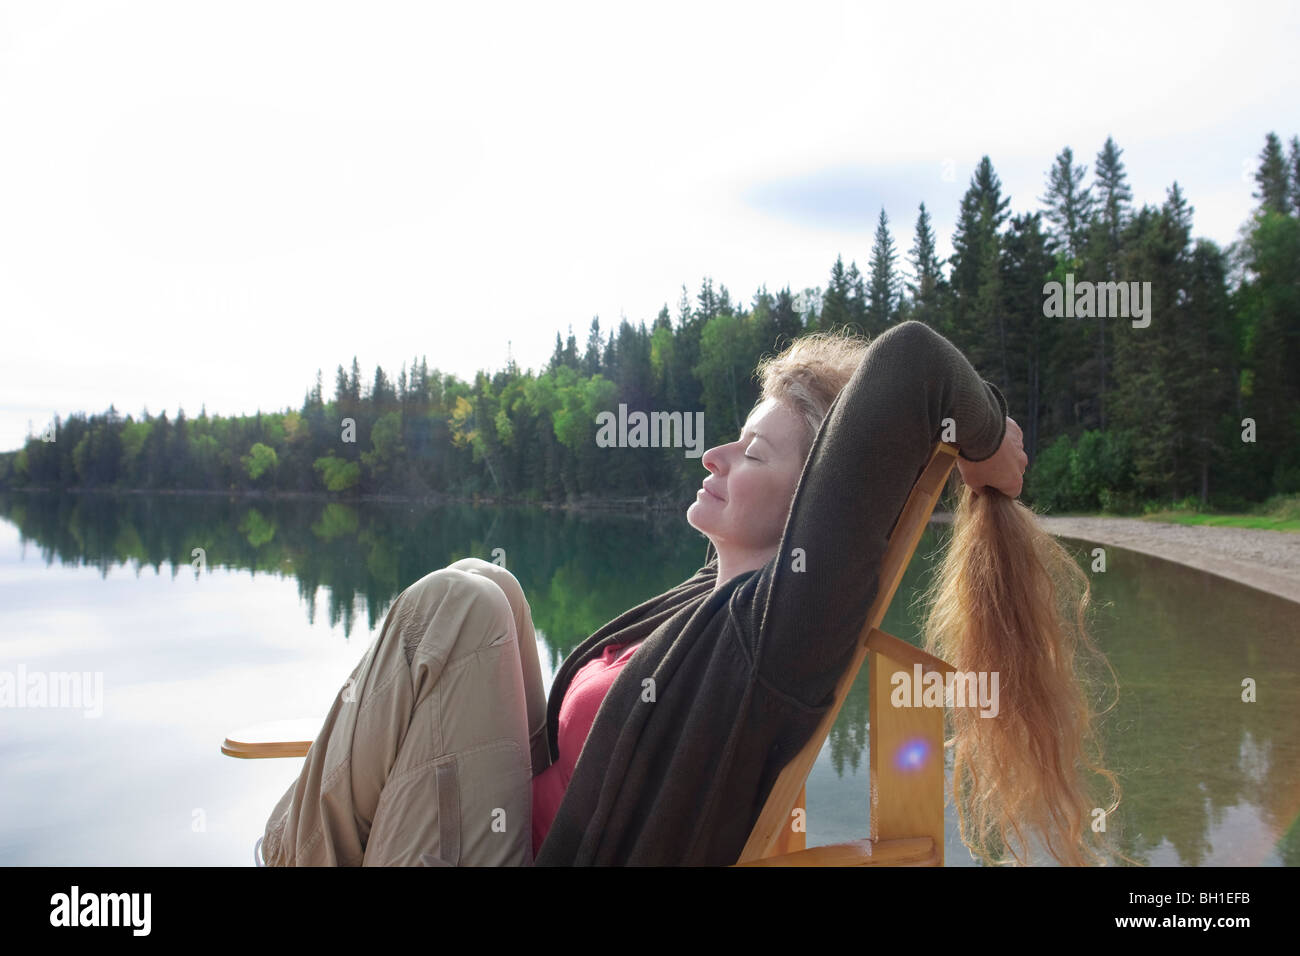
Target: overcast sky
column 207, row 202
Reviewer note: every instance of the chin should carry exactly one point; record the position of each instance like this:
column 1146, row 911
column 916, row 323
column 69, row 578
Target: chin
column 699, row 521
column 690, row 517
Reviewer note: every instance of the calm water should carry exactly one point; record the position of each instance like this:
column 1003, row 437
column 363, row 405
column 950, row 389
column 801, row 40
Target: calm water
column 295, row 591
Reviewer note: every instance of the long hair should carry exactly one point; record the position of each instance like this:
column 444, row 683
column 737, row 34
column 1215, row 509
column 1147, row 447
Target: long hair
column 1007, row 598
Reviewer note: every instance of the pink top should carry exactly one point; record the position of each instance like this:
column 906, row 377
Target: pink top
column 577, row 713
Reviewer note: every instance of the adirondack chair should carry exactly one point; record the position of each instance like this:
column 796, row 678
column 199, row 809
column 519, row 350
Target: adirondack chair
column 906, row 743
column 906, row 767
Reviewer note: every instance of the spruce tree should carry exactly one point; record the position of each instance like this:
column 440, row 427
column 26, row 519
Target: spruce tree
column 1026, row 337
column 591, row 358
column 788, row 323
column 1293, row 173
column 975, row 279
column 1153, row 402
column 1208, row 372
column 1113, row 198
column 707, row 299
column 1110, row 216
column 926, row 273
column 571, row 349
column 1274, row 188
column 836, row 308
column 857, row 297
column 1268, row 301
column 1069, row 203
column 557, row 356
column 882, row 293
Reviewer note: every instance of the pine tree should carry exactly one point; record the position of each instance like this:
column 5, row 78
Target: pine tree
column 1069, row 204
column 591, row 358
column 1153, row 400
column 926, row 272
column 762, row 319
column 1293, row 172
column 882, row 293
column 1026, row 336
column 1268, row 301
column 983, row 211
column 975, row 273
column 857, row 297
column 686, row 354
column 1113, row 198
column 787, row 321
column 571, row 349
column 683, row 308
column 707, row 299
column 724, row 301
column 382, row 395
column 836, row 307
column 1111, row 213
column 609, row 358
column 1208, row 373
column 1274, row 188
column 557, row 357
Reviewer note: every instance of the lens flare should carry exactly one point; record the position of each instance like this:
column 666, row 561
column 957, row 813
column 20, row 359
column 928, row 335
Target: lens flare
column 912, row 755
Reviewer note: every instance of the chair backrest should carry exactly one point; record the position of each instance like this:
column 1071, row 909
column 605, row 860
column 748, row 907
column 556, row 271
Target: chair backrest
column 906, row 769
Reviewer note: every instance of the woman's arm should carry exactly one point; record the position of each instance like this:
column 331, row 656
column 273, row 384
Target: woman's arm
column 1005, row 471
column 802, row 611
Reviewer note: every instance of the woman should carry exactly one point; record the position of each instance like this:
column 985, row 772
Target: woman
column 685, row 708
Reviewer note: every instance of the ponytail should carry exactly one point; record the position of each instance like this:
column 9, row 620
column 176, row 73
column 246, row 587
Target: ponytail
column 1009, row 598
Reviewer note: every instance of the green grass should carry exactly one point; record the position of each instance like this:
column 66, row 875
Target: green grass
column 1279, row 513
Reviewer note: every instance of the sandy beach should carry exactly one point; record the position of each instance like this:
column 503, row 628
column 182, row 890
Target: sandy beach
column 1267, row 560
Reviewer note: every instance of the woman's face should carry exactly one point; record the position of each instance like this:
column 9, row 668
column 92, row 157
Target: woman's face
column 743, row 504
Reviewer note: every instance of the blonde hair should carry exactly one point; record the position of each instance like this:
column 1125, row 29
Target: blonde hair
column 1007, row 597
column 808, row 375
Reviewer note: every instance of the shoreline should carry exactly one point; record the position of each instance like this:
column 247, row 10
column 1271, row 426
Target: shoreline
column 630, row 505
column 1265, row 560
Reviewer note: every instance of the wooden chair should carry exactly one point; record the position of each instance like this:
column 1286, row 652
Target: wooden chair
column 906, row 768
column 279, row 738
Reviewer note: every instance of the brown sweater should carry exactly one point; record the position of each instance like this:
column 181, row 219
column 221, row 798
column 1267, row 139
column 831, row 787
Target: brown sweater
column 729, row 684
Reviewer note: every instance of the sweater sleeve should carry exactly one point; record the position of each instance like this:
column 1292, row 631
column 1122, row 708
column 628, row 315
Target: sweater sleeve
column 802, row 611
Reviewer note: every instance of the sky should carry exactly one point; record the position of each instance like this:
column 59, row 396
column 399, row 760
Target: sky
column 203, row 204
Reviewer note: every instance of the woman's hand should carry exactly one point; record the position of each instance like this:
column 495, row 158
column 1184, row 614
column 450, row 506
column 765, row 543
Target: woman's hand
column 1005, row 471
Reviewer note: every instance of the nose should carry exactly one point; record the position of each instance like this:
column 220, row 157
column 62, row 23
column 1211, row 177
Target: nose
column 712, row 458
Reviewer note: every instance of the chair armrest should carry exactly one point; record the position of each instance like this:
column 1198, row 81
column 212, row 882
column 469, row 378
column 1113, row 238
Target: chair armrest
column 277, row 738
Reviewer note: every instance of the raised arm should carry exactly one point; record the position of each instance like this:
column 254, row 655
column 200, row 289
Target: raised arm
column 802, row 610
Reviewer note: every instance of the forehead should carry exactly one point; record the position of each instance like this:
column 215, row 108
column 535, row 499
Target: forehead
column 775, row 420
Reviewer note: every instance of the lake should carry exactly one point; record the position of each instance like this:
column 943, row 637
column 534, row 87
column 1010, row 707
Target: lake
column 293, row 591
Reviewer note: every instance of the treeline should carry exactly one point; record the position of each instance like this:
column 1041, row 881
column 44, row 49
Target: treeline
column 1201, row 401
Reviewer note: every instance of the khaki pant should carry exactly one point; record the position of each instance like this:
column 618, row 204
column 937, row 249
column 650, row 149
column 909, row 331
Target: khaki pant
column 429, row 750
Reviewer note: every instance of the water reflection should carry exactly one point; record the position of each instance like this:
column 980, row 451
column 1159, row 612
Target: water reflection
column 187, row 656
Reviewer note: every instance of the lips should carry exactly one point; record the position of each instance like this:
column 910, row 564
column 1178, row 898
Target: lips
column 709, row 491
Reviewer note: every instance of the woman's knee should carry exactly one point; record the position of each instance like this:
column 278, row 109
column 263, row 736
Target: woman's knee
column 482, row 594
column 460, row 581
column 498, row 574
